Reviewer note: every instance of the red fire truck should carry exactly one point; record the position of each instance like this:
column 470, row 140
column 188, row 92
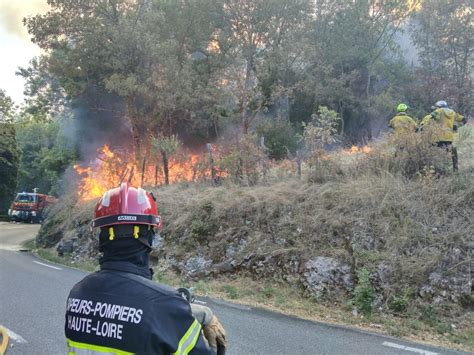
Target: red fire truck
column 29, row 207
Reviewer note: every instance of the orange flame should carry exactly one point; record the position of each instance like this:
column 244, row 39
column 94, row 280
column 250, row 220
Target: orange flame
column 111, row 168
column 355, row 149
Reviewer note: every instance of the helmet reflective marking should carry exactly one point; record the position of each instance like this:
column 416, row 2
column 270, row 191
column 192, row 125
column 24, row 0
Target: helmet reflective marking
column 141, row 196
column 106, row 199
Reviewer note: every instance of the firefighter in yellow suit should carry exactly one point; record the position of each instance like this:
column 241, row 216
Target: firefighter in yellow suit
column 446, row 121
column 402, row 123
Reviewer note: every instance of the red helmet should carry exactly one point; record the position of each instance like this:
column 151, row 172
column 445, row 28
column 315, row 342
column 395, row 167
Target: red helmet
column 126, row 205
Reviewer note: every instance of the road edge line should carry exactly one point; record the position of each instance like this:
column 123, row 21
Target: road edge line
column 408, row 348
column 17, row 337
column 50, row 266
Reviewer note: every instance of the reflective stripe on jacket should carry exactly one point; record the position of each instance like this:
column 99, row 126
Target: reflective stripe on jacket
column 116, row 311
column 76, row 348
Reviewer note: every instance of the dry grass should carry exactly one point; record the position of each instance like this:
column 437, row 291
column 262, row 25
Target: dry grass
column 383, row 209
column 400, row 208
column 290, row 300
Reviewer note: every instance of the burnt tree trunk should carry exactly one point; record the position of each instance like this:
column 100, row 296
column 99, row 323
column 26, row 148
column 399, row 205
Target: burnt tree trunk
column 143, row 172
column 299, row 160
column 166, row 171
column 134, row 122
column 211, row 163
column 244, row 113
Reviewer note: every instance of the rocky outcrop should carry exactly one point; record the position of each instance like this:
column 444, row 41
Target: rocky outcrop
column 415, row 245
column 325, row 276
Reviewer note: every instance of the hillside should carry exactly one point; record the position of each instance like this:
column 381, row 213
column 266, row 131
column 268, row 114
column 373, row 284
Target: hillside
column 367, row 241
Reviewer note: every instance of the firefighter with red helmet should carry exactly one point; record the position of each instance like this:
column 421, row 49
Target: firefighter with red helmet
column 119, row 309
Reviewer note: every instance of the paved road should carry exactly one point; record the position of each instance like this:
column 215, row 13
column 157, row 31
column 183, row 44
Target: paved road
column 13, row 234
column 33, row 294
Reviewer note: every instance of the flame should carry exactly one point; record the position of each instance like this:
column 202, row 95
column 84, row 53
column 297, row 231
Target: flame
column 355, row 150
column 111, row 168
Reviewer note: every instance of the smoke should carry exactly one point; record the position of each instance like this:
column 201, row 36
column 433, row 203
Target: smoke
column 13, row 12
column 409, row 51
column 94, row 119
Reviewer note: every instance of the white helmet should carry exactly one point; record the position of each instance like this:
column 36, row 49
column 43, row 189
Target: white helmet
column 441, row 103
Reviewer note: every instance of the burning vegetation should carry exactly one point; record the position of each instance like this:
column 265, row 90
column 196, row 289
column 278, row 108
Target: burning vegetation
column 355, row 149
column 110, row 168
column 389, row 213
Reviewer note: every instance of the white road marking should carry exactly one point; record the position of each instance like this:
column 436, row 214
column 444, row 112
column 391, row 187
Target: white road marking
column 200, row 302
column 408, row 348
column 51, row 266
column 10, row 247
column 15, row 336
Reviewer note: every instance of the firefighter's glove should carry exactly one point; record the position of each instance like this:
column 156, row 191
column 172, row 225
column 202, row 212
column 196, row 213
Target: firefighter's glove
column 213, row 330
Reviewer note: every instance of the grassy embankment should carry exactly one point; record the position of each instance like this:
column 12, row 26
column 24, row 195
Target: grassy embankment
column 374, row 212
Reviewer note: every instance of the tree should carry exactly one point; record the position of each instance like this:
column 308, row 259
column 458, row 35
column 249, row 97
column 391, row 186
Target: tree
column 322, row 130
column 45, row 97
column 7, row 108
column 140, row 50
column 9, row 161
column 166, row 146
column 46, row 156
column 351, row 48
column 256, row 32
column 443, row 32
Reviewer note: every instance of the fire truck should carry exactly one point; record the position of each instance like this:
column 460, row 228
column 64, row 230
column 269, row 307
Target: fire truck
column 29, row 207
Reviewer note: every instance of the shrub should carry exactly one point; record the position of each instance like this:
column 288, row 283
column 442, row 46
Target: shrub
column 399, row 303
column 429, row 316
column 231, row 291
column 323, row 168
column 242, row 161
column 322, row 129
column 364, row 293
column 279, row 137
column 411, row 155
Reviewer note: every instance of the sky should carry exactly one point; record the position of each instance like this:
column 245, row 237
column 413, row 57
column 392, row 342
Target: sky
column 16, row 49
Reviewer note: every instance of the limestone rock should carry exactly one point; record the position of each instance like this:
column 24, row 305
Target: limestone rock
column 327, row 276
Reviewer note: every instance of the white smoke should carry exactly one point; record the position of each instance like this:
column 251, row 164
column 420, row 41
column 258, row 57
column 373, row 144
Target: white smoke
column 13, row 12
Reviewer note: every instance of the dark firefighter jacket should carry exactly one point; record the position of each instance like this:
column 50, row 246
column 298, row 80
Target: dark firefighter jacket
column 118, row 311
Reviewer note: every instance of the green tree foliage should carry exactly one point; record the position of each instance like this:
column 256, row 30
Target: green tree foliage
column 322, row 129
column 44, row 96
column 352, row 51
column 280, row 137
column 46, row 154
column 9, row 161
column 7, row 107
column 9, row 153
column 190, row 67
column 317, row 134
column 260, row 35
column 152, row 53
column 443, row 32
